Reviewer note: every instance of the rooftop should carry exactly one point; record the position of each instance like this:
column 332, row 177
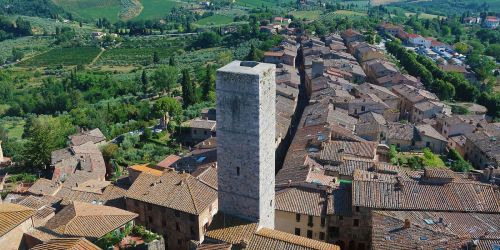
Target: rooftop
column 88, row 220
column 407, row 192
column 303, row 200
column 67, row 244
column 182, row 192
column 12, row 215
column 247, row 235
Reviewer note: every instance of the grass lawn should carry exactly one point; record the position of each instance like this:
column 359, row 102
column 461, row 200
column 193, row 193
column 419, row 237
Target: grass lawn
column 215, row 20
column 63, row 56
column 15, row 129
column 307, row 14
column 155, row 8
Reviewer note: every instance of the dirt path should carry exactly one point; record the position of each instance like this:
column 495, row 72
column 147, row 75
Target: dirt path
column 97, row 57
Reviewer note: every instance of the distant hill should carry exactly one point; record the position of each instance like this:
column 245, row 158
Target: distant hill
column 445, row 6
column 41, row 8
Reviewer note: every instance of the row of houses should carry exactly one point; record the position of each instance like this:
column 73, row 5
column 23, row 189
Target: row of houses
column 490, row 22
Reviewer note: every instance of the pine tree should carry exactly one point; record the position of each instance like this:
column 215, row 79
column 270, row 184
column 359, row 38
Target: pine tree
column 188, row 92
column 145, row 82
column 253, row 54
column 208, row 83
column 156, row 57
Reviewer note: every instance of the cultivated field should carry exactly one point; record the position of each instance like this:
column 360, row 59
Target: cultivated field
column 307, row 14
column 92, row 9
column 215, row 20
column 63, row 56
column 156, row 8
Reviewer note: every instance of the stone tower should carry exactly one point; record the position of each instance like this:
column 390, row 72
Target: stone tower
column 246, row 128
column 1, row 152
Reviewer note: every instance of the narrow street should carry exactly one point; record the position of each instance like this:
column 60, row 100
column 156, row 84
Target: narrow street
column 303, row 100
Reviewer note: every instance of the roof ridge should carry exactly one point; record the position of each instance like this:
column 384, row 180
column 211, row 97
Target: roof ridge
column 191, row 195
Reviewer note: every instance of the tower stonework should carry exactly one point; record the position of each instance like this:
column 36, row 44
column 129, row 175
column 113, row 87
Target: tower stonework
column 246, row 128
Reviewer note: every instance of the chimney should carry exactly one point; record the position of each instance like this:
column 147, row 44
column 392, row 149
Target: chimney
column 407, row 224
column 318, row 67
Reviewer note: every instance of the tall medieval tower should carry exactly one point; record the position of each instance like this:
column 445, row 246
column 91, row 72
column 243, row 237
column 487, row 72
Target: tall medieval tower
column 246, row 128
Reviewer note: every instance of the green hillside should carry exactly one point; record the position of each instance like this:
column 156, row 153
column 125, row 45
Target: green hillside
column 115, row 10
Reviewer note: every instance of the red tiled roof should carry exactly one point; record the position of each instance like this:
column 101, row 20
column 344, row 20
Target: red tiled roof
column 168, row 161
column 413, row 35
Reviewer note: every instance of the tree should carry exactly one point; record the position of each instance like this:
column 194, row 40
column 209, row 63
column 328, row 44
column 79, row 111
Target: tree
column 461, row 47
column 146, row 135
column 167, row 104
column 188, row 92
column 494, row 51
column 109, row 151
column 171, row 61
column 253, row 55
column 44, row 135
column 207, row 40
column 208, row 83
column 145, row 82
column 156, row 57
column 458, row 164
column 165, row 78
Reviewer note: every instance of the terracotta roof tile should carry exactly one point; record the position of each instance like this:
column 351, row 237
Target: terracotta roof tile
column 302, row 200
column 407, row 191
column 236, row 231
column 12, row 215
column 67, row 244
column 88, row 220
column 185, row 192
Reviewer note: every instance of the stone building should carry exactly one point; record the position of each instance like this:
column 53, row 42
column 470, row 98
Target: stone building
column 246, row 94
column 178, row 206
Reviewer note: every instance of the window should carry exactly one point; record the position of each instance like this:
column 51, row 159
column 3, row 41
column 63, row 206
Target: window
column 177, row 227
column 356, row 222
column 310, row 220
column 357, row 209
column 355, row 111
column 297, row 231
column 341, row 217
column 237, row 171
column 297, row 217
column 321, row 236
column 179, row 242
column 177, row 213
column 323, row 221
column 309, row 234
column 333, row 231
column 271, row 203
column 427, row 144
column 363, row 108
